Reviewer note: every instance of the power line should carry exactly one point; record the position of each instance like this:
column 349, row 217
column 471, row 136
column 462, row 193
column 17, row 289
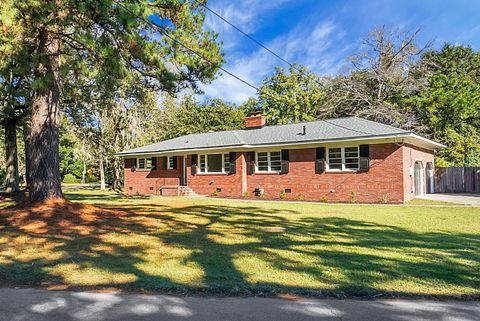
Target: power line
column 164, row 32
column 292, row 65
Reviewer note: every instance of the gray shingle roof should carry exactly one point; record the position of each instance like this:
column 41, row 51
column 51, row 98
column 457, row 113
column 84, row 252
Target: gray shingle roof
column 315, row 131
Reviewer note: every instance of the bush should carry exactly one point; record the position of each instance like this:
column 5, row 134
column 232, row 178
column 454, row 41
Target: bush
column 69, row 179
column 92, row 179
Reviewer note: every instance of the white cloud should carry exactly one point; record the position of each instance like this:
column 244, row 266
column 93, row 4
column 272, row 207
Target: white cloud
column 312, row 47
column 245, row 14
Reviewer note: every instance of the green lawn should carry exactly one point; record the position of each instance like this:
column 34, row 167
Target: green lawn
column 240, row 247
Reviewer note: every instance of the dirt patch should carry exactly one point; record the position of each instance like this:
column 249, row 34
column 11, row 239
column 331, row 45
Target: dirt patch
column 58, row 215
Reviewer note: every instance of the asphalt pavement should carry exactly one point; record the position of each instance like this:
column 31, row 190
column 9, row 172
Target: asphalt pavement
column 40, row 304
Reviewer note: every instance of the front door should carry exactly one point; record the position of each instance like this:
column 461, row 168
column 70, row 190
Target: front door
column 183, row 179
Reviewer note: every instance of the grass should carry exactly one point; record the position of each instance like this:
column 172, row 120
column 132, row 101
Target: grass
column 420, row 201
column 243, row 248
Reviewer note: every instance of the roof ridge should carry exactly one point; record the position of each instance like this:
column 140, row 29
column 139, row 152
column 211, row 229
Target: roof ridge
column 270, row 126
column 382, row 124
column 317, row 130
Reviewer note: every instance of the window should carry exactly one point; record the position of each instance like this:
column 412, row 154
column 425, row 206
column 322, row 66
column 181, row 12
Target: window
column 144, row 163
column 201, row 165
column 214, row 163
column 343, row 158
column 351, row 158
column 170, row 162
column 335, row 158
column 226, row 163
column 269, row 162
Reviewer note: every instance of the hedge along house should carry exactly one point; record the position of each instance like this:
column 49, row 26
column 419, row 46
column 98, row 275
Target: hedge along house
column 338, row 160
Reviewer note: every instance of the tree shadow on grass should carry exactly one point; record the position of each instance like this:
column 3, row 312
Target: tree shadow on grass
column 229, row 250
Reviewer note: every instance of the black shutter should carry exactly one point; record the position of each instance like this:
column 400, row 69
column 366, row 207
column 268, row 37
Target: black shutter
column 132, row 162
column 364, row 150
column 164, row 162
column 232, row 156
column 174, row 162
column 250, row 163
column 320, row 153
column 364, row 158
column 193, row 163
column 154, row 163
column 320, row 160
column 285, row 161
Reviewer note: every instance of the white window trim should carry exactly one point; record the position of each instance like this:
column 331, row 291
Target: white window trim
column 343, row 169
column 206, row 164
column 269, row 170
column 146, row 168
column 168, row 162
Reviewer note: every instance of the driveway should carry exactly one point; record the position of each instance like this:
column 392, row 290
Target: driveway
column 458, row 198
column 38, row 304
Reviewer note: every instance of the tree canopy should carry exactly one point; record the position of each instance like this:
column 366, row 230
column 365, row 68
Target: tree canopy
column 289, row 97
column 101, row 42
column 450, row 103
column 187, row 115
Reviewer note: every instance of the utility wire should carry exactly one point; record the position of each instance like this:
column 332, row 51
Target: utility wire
column 292, row 65
column 165, row 32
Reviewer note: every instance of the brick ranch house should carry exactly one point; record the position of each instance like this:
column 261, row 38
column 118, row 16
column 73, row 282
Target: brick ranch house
column 336, row 160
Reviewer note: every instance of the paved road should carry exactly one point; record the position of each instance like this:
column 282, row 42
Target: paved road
column 38, row 305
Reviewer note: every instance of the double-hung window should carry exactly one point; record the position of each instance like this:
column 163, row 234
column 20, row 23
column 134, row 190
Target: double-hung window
column 170, row 162
column 343, row 159
column 269, row 162
column 144, row 163
column 214, row 163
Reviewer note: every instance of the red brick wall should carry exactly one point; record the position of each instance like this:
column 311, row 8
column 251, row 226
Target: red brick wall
column 206, row 184
column 412, row 154
column 387, row 179
column 149, row 181
column 383, row 180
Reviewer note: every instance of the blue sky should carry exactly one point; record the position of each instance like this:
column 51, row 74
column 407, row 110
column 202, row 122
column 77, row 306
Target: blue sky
column 321, row 34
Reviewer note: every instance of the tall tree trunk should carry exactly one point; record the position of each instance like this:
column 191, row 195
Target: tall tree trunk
column 26, row 142
column 11, row 157
column 102, row 175
column 44, row 137
column 84, row 172
column 116, row 174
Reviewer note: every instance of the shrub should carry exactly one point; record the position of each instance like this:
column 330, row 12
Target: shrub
column 69, row 179
column 92, row 179
column 354, row 197
column 384, row 199
column 216, row 192
column 323, row 199
column 282, row 194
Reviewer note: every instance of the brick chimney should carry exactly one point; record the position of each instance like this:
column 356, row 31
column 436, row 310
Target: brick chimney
column 255, row 120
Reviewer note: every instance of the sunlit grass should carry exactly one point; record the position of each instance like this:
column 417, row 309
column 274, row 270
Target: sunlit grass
column 229, row 246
